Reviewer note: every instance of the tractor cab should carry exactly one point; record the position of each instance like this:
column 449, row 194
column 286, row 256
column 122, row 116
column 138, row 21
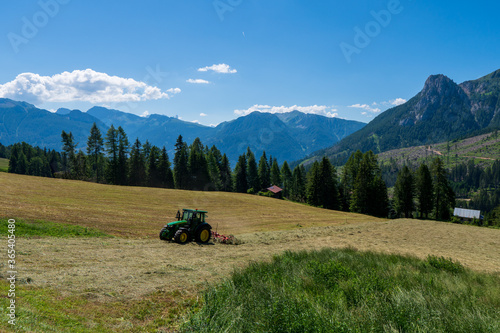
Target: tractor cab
column 190, row 224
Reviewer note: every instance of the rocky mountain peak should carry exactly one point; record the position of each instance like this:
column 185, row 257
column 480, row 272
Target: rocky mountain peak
column 439, row 91
column 440, row 85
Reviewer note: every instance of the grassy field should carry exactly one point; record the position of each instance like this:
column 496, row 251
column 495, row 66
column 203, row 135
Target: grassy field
column 350, row 291
column 483, row 149
column 101, row 267
column 4, row 165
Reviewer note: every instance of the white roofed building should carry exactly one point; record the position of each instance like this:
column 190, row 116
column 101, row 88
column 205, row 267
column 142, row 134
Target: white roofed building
column 467, row 214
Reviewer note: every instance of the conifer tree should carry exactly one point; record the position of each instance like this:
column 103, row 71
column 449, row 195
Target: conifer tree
column 240, row 175
column 313, row 191
column 95, row 147
column 22, row 164
column 123, row 147
column 214, row 159
column 264, row 172
column 69, row 152
column 275, row 173
column 444, row 197
column 286, row 178
column 424, row 191
column 164, row 171
column 380, row 202
column 349, row 174
column 111, row 144
column 81, row 167
column 369, row 195
column 137, row 170
column 298, row 186
column 146, row 150
column 226, row 175
column 14, row 157
column 404, row 192
column 153, row 173
column 181, row 175
column 328, row 190
column 36, row 167
column 252, row 172
column 198, row 166
column 214, row 173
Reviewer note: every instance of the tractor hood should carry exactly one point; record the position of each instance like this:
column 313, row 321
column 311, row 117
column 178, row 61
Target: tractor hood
column 177, row 222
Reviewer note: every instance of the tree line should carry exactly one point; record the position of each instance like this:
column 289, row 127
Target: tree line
column 475, row 186
column 359, row 186
column 424, row 193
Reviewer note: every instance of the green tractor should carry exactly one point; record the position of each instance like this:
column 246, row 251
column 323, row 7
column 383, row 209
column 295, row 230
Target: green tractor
column 190, row 225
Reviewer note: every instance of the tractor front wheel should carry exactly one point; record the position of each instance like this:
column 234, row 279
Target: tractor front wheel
column 203, row 234
column 181, row 236
column 161, row 233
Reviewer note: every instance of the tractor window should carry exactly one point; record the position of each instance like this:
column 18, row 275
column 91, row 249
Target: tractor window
column 187, row 215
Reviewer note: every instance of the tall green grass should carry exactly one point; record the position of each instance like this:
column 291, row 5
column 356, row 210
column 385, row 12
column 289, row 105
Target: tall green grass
column 4, row 165
column 351, row 291
column 48, row 229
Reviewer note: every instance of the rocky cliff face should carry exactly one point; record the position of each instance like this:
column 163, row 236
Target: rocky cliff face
column 484, row 96
column 440, row 93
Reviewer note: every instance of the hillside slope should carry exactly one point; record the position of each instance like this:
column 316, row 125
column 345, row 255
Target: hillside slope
column 483, row 149
column 142, row 212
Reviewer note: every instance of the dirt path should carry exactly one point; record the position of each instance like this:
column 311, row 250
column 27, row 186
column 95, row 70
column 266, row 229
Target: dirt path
column 481, row 158
column 435, row 152
column 131, row 268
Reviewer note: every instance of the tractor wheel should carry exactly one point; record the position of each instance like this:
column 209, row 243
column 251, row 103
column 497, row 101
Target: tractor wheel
column 203, row 234
column 181, row 236
column 161, row 233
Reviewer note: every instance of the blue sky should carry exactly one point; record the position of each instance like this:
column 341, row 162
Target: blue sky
column 212, row 61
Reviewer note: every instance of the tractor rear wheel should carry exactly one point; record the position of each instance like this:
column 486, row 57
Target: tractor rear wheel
column 203, row 234
column 181, row 236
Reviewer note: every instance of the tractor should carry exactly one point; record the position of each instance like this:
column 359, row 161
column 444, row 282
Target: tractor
column 189, row 225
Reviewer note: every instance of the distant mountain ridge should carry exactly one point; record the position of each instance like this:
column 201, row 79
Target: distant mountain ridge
column 21, row 121
column 442, row 111
column 288, row 136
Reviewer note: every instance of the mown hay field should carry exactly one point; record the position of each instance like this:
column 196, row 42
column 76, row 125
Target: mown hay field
column 141, row 212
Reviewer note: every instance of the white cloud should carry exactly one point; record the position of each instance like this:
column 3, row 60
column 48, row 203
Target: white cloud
column 145, row 114
column 365, row 107
column 195, row 121
column 220, row 68
column 81, row 85
column 174, row 90
column 203, row 114
column 198, row 81
column 321, row 110
column 398, row 101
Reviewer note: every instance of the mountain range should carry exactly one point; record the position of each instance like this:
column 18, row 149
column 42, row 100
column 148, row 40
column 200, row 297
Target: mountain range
column 288, row 136
column 442, row 111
